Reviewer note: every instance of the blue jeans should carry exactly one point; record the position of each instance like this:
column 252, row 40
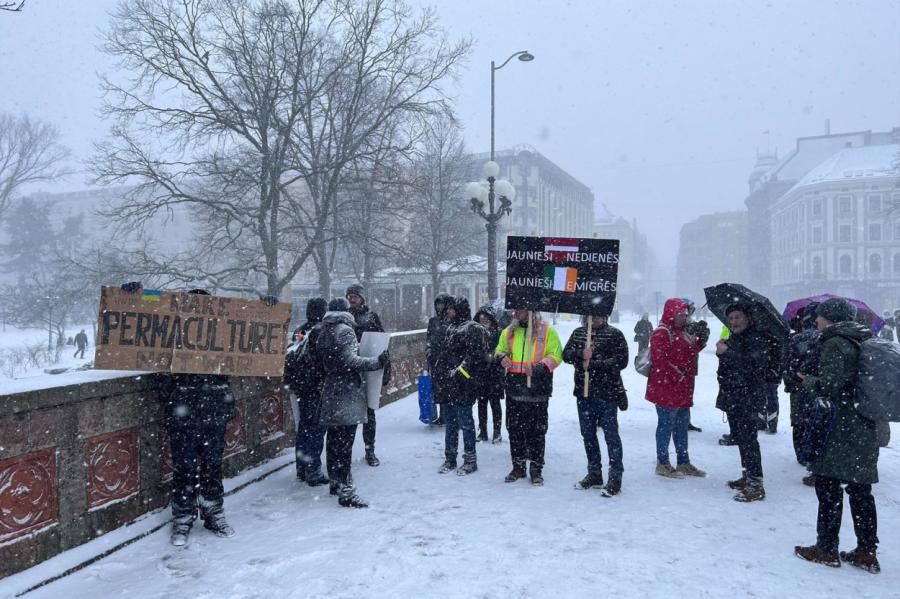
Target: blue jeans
column 456, row 418
column 672, row 423
column 310, row 438
column 602, row 412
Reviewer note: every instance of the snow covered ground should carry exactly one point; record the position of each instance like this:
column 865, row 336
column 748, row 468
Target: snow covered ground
column 17, row 339
column 427, row 535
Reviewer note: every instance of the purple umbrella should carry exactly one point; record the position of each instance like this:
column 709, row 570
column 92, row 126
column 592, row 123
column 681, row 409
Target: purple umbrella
column 864, row 313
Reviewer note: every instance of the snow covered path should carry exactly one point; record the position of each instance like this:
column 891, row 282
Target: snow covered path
column 427, row 535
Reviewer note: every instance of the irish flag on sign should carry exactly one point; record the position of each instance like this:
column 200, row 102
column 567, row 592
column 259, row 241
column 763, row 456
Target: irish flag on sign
column 561, row 278
column 558, row 247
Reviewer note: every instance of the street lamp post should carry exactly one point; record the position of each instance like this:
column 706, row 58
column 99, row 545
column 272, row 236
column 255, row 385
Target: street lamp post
column 524, row 56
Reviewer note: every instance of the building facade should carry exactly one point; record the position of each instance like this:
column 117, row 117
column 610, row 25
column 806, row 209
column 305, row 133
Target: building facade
column 638, row 268
column 712, row 250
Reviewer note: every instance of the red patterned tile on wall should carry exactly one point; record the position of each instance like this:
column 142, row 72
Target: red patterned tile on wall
column 112, row 465
column 271, row 416
column 236, row 433
column 28, row 494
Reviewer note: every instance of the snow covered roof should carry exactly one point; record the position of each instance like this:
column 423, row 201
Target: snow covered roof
column 855, row 163
column 462, row 264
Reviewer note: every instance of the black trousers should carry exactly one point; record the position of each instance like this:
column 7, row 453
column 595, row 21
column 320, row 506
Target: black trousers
column 198, row 444
column 369, row 430
column 496, row 413
column 339, row 453
column 831, row 505
column 744, row 431
column 526, row 422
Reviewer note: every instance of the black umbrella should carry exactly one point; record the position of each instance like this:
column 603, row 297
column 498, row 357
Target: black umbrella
column 766, row 318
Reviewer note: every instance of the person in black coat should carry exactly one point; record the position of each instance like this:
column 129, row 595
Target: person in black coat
column 304, row 380
column 81, row 342
column 743, row 361
column 343, row 404
column 434, row 338
column 366, row 320
column 198, row 409
column 491, row 390
column 465, row 364
column 604, row 360
column 801, row 357
column 642, row 331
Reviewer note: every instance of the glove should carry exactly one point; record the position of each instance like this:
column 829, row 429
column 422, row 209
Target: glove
column 623, row 402
column 269, row 300
column 132, row 286
column 383, row 358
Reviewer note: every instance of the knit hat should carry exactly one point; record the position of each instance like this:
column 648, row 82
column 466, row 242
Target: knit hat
column 339, row 304
column 836, row 309
column 315, row 309
column 356, row 289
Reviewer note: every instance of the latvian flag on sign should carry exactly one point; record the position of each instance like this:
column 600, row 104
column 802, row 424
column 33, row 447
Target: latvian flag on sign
column 558, row 247
column 561, row 278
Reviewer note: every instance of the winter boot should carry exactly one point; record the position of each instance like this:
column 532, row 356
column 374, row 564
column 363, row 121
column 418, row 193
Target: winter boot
column 515, row 474
column 667, row 471
column 818, row 556
column 727, row 440
column 482, row 436
column 591, row 481
column 333, row 487
column 752, row 492
column 180, row 531
column 217, row 524
column 301, row 475
column 694, row 429
column 316, row 479
column 612, row 488
column 737, row 484
column 470, row 465
column 690, row 470
column 371, row 459
column 352, row 500
column 497, row 438
column 865, row 560
column 537, row 476
column 448, row 465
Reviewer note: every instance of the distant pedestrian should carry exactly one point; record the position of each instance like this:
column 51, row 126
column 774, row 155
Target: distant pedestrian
column 850, row 455
column 81, row 342
column 674, row 359
column 642, row 331
column 603, row 360
column 743, row 362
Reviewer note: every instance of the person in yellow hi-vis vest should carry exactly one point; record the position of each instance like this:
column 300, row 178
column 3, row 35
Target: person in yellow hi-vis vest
column 529, row 385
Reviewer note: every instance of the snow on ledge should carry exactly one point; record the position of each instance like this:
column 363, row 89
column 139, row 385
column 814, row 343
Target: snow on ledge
column 77, row 377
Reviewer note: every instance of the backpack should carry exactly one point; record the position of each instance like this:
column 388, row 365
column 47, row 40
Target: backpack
column 878, row 381
column 642, row 363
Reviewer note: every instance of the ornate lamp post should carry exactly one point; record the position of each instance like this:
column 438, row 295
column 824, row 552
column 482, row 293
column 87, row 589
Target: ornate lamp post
column 497, row 196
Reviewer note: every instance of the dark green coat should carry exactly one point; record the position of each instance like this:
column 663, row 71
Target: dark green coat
column 851, row 452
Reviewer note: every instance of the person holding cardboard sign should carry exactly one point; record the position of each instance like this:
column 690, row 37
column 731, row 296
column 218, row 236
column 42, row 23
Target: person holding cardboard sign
column 530, row 351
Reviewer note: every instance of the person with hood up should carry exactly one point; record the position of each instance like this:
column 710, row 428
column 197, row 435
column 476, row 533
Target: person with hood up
column 801, row 357
column 303, row 378
column 491, row 390
column 434, row 338
column 465, row 364
column 743, row 363
column 343, row 405
column 642, row 331
column 886, row 332
column 529, row 385
column 604, row 359
column 367, row 320
column 670, row 386
column 850, row 454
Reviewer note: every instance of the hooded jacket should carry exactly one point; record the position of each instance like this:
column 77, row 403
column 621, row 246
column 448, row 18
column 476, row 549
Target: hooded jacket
column 642, row 330
column 301, row 374
column 343, row 388
column 495, row 375
column 610, row 357
column 674, row 360
column 743, row 372
column 466, row 366
column 366, row 320
column 851, row 451
column 437, row 329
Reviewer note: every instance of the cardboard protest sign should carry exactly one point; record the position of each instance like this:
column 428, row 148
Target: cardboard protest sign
column 567, row 275
column 163, row 331
column 370, row 346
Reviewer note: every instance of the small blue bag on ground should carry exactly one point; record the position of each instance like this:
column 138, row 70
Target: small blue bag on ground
column 818, row 428
column 426, row 399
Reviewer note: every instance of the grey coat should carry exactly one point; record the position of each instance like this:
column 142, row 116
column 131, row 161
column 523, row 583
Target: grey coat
column 343, row 388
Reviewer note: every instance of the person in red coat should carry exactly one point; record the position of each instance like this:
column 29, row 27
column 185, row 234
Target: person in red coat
column 673, row 355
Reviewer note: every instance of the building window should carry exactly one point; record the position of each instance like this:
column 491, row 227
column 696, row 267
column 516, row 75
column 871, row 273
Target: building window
column 817, row 234
column 817, row 266
column 897, row 263
column 845, row 233
column 897, row 231
column 874, row 203
column 874, row 231
column 845, row 265
column 817, row 208
column 875, row 264
column 845, row 205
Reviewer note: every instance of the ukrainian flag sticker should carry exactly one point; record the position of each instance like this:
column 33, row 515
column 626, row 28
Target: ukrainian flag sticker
column 151, row 295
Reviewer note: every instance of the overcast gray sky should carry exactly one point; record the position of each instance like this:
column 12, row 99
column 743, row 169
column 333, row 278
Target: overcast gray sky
column 658, row 106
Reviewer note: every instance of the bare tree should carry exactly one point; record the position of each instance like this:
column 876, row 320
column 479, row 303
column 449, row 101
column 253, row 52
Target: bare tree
column 12, row 6
column 258, row 108
column 30, row 152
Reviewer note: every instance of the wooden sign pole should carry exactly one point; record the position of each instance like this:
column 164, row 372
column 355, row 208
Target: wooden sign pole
column 528, row 336
column 587, row 374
